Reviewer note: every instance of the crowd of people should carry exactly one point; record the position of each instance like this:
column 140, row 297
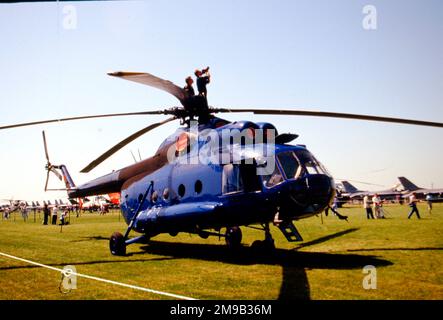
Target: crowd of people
column 375, row 205
column 54, row 214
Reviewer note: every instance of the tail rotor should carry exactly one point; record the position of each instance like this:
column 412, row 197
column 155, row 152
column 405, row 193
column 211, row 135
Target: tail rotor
column 49, row 167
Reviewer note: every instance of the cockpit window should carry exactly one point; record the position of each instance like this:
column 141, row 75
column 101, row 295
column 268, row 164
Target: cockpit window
column 289, row 164
column 311, row 168
column 311, row 165
column 293, row 164
column 274, row 178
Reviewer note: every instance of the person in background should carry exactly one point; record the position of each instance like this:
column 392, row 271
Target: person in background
column 46, row 214
column 335, row 204
column 54, row 215
column 413, row 204
column 376, row 201
column 61, row 216
column 367, row 207
column 429, row 201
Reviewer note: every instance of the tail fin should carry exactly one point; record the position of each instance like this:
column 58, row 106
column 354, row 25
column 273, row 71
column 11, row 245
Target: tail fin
column 67, row 177
column 407, row 185
column 349, row 187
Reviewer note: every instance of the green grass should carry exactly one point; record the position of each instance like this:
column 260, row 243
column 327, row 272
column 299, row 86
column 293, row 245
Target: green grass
column 407, row 255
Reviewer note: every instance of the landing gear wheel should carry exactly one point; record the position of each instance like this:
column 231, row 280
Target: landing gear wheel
column 233, row 237
column 117, row 244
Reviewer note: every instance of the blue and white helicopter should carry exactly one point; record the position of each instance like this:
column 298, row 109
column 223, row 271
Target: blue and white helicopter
column 212, row 174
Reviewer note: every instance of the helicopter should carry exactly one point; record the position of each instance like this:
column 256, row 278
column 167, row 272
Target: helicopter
column 211, row 173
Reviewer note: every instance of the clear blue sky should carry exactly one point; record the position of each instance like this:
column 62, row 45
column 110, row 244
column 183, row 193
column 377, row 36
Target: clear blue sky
column 271, row 54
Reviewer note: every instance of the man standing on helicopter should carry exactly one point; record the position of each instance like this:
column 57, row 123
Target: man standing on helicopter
column 197, row 105
column 203, row 78
column 188, row 88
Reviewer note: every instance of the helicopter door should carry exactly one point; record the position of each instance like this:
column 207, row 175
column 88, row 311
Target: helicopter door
column 251, row 180
column 238, row 178
column 232, row 180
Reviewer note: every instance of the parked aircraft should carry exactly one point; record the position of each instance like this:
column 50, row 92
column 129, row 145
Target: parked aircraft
column 420, row 193
column 388, row 194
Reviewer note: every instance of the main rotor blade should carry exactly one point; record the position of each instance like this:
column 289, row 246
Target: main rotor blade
column 123, row 143
column 153, row 81
column 45, row 145
column 332, row 115
column 84, row 117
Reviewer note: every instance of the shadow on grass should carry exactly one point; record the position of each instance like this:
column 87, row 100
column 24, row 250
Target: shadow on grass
column 294, row 282
column 76, row 263
column 396, row 249
column 294, row 285
column 326, row 238
column 91, row 238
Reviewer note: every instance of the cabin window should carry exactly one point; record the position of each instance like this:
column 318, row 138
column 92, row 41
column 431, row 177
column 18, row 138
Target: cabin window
column 181, row 190
column 231, row 181
column 154, row 196
column 198, row 187
column 166, row 194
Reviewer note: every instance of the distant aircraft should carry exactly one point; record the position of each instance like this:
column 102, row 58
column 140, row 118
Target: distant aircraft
column 420, row 193
column 14, row 204
column 114, row 198
column 353, row 193
column 349, row 189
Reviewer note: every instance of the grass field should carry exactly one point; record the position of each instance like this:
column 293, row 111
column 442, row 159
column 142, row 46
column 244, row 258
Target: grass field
column 407, row 255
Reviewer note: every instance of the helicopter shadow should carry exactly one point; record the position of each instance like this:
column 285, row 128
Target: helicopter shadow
column 294, row 286
column 91, row 238
column 84, row 263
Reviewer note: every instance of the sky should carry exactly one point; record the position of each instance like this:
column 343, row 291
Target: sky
column 310, row 55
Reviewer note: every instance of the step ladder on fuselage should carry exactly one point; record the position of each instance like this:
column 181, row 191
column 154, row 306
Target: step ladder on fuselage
column 290, row 231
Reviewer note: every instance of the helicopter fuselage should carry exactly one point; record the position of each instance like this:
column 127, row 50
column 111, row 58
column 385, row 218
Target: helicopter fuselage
column 174, row 191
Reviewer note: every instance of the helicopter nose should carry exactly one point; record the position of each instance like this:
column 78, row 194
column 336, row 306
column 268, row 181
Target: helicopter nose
column 312, row 193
